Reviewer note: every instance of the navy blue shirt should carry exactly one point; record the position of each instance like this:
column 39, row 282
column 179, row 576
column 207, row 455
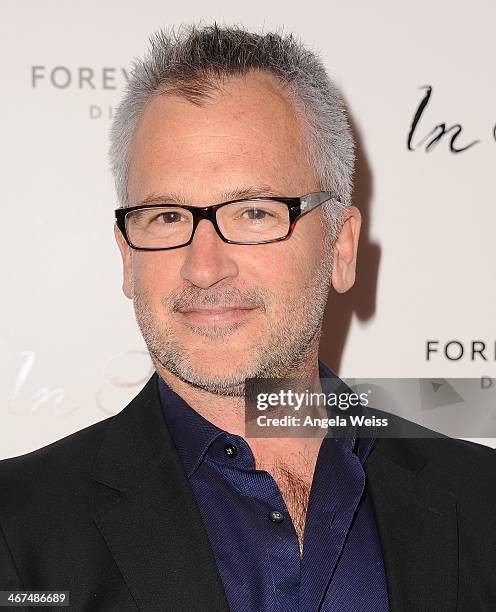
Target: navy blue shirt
column 259, row 559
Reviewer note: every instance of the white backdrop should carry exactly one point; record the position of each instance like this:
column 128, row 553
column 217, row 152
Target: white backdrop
column 70, row 350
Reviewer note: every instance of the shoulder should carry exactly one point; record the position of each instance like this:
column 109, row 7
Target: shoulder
column 458, row 461
column 63, row 470
column 457, row 464
column 52, row 468
column 465, row 469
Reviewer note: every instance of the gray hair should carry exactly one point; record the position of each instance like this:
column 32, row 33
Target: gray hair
column 193, row 61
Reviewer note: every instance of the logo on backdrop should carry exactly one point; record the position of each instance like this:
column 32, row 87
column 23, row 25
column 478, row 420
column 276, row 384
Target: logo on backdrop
column 481, row 351
column 465, row 351
column 84, row 79
column 424, row 137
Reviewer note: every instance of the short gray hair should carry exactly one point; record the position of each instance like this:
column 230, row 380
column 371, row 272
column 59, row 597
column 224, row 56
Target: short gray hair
column 194, row 60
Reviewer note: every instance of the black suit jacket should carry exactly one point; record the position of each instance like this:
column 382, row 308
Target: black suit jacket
column 108, row 514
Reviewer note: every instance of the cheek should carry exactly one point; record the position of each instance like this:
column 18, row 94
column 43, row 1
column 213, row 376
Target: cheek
column 309, row 243
column 286, row 269
column 153, row 273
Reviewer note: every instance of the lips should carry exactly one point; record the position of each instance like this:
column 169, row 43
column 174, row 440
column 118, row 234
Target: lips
column 215, row 315
column 215, row 309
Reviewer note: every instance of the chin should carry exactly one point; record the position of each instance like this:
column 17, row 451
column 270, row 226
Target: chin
column 222, row 364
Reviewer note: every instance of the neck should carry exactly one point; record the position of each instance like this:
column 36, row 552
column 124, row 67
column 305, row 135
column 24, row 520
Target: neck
column 228, row 413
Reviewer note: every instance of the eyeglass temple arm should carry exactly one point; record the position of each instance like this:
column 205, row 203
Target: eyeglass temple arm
column 315, row 199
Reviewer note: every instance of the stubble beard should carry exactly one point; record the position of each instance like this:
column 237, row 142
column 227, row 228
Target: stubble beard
column 277, row 353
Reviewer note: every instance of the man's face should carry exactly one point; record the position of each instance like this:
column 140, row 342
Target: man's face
column 247, row 138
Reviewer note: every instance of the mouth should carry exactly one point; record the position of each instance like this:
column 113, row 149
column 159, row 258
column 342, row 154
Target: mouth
column 216, row 315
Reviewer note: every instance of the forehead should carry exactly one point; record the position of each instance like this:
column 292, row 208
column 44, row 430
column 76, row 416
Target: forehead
column 247, row 133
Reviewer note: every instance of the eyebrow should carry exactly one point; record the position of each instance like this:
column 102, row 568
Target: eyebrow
column 238, row 193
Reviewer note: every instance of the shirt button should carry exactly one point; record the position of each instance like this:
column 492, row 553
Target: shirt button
column 230, row 449
column 276, row 516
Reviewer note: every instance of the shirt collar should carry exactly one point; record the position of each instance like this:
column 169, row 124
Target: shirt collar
column 193, row 434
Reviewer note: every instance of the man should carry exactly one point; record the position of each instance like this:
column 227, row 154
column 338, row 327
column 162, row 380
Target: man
column 233, row 162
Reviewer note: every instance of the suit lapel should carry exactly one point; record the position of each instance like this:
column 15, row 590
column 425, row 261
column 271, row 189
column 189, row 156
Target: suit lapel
column 417, row 527
column 149, row 517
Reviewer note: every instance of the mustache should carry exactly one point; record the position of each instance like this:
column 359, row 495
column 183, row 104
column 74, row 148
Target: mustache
column 232, row 297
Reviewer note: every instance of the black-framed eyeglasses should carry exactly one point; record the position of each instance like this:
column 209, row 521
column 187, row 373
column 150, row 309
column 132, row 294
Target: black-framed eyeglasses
column 158, row 227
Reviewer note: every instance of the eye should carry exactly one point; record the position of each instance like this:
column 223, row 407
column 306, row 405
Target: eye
column 167, row 217
column 255, row 214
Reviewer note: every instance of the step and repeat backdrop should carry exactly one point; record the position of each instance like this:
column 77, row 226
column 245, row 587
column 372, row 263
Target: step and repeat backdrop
column 418, row 79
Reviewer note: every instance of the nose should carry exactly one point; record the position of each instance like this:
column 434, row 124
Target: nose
column 209, row 259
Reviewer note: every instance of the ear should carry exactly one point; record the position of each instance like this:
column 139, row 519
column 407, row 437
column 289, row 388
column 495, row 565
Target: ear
column 345, row 251
column 127, row 284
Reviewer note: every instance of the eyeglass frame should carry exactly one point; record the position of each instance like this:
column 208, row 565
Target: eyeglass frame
column 297, row 207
